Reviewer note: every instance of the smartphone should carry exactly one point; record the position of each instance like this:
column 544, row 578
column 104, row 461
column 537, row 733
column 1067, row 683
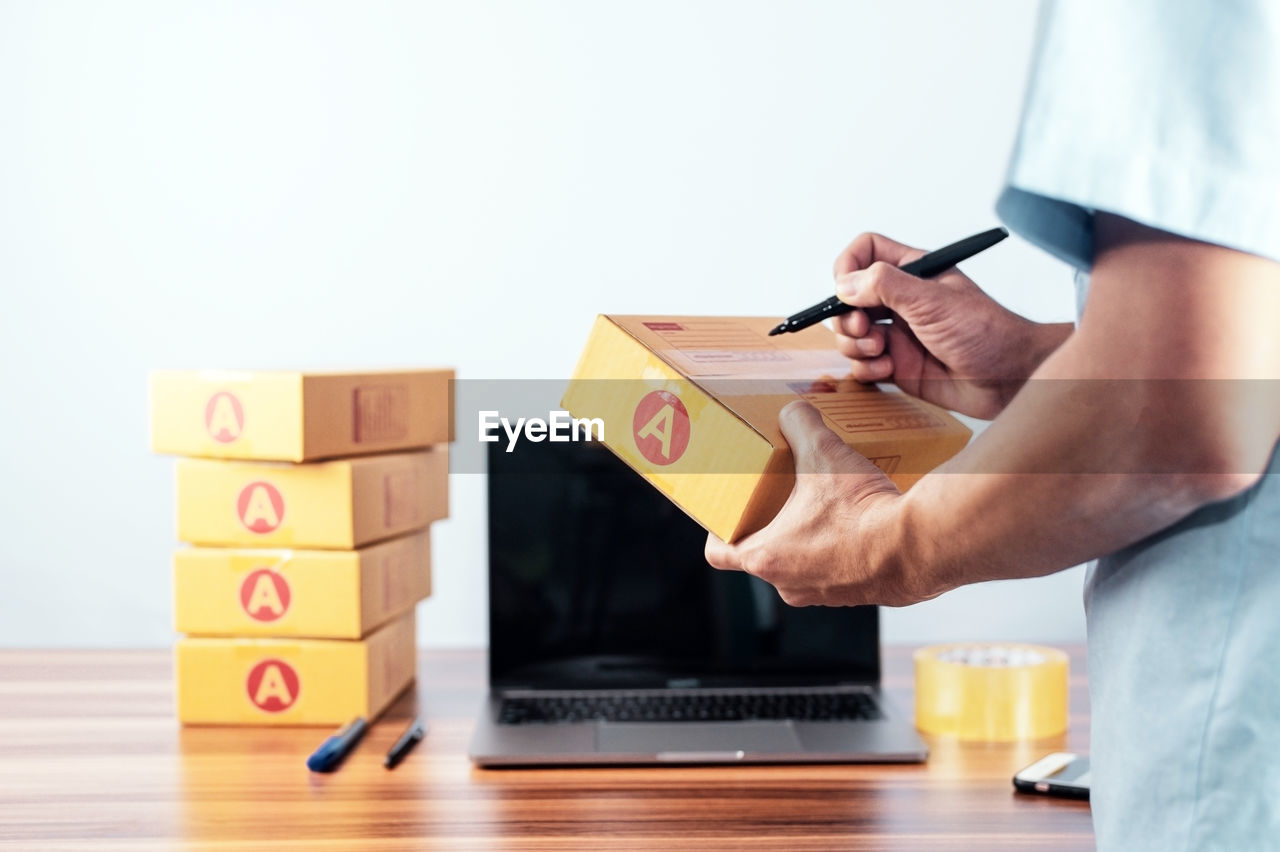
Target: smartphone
column 1059, row 774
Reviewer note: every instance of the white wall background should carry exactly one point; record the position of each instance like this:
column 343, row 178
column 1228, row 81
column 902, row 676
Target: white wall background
column 356, row 184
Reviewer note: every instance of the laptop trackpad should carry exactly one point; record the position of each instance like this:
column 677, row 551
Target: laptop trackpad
column 720, row 739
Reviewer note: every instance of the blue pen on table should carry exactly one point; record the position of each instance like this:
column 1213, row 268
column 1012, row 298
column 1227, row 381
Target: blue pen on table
column 334, row 749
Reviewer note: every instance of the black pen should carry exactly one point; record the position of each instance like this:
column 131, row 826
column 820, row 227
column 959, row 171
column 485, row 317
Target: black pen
column 933, row 263
column 410, row 738
column 336, row 748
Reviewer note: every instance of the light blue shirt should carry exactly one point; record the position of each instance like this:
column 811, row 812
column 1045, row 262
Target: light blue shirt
column 1168, row 113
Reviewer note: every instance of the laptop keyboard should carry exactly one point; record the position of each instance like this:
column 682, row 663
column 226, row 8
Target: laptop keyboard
column 692, row 706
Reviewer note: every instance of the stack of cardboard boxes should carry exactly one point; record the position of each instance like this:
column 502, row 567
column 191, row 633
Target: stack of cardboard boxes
column 306, row 499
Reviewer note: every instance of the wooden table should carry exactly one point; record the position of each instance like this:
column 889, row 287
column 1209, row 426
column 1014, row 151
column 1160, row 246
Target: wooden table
column 91, row 758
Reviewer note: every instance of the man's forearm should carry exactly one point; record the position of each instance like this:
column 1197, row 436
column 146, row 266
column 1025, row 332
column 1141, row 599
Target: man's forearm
column 1042, row 340
column 1163, row 400
column 1071, row 470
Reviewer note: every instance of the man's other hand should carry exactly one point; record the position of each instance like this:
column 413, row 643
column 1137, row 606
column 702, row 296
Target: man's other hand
column 830, row 544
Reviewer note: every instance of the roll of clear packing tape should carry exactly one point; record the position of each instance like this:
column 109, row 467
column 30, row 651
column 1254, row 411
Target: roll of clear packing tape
column 991, row 692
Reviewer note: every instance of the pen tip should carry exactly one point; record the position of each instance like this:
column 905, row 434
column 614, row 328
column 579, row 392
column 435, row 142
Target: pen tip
column 777, row 329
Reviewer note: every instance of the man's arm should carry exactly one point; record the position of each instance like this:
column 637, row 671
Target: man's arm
column 1164, row 400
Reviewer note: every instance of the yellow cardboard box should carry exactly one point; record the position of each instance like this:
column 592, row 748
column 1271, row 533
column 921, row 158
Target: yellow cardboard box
column 692, row 404
column 322, row 594
column 337, row 504
column 293, row 681
column 298, row 416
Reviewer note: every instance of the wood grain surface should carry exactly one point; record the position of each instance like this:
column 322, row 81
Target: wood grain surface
column 91, row 758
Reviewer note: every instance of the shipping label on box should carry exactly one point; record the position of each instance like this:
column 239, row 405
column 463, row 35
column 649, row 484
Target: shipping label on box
column 242, row 681
column 692, row 403
column 339, row 504
column 298, row 416
column 322, row 594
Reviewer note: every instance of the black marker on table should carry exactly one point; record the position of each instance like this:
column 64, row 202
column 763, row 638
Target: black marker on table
column 933, row 263
column 410, row 738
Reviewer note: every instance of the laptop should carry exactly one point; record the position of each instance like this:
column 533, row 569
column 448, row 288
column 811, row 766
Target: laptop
column 611, row 641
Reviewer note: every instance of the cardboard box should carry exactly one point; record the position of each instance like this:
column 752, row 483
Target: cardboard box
column 321, row 594
column 293, row 681
column 297, row 416
column 337, row 504
column 692, row 404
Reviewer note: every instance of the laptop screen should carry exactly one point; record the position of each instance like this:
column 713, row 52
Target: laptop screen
column 597, row 580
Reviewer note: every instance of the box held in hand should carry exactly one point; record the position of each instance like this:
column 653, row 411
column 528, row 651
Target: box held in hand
column 692, row 403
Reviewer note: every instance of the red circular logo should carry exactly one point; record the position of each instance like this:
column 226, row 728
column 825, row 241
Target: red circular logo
column 224, row 417
column 264, row 595
column 260, row 507
column 272, row 685
column 661, row 427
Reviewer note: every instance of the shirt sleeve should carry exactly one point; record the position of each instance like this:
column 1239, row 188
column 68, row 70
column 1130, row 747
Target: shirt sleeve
column 1166, row 113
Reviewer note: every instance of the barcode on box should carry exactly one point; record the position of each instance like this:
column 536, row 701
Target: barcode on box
column 394, row 571
column 873, row 412
column 401, row 498
column 380, row 413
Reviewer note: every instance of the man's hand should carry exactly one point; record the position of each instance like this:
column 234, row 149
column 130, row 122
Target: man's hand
column 950, row 343
column 829, row 543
